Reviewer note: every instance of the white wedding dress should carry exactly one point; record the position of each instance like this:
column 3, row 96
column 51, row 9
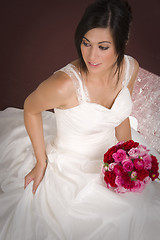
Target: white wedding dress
column 72, row 201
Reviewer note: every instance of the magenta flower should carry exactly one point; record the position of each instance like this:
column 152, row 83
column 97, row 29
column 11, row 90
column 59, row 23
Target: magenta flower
column 127, row 165
column 147, row 161
column 118, row 170
column 134, row 153
column 138, row 163
column 119, row 156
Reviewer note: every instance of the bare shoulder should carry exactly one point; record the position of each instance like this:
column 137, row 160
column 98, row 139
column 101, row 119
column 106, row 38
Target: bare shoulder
column 134, row 75
column 59, row 82
column 54, row 92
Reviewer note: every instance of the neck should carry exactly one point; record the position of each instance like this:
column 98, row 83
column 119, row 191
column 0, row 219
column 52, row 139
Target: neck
column 103, row 76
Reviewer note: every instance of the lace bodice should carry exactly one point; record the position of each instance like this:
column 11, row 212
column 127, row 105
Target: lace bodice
column 80, row 87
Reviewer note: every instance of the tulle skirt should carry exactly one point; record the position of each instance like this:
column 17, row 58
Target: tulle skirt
column 70, row 203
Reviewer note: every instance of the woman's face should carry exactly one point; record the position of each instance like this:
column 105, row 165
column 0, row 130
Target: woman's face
column 98, row 50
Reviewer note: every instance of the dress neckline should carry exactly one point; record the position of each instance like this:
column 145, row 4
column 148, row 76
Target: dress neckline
column 97, row 104
column 86, row 90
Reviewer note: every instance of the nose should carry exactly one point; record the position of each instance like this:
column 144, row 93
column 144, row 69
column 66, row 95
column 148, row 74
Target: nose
column 93, row 53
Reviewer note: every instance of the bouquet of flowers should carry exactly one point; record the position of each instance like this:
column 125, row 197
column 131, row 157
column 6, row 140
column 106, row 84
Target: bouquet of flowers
column 128, row 167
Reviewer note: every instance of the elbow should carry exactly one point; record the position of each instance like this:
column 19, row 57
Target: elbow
column 26, row 110
column 123, row 131
column 31, row 105
column 26, row 105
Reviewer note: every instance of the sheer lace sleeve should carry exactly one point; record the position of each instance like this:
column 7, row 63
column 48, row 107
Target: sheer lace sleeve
column 75, row 75
column 129, row 69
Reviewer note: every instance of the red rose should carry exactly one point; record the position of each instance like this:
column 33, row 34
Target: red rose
column 108, row 155
column 119, row 146
column 128, row 184
column 142, row 174
column 154, row 163
column 110, row 178
column 129, row 144
column 153, row 173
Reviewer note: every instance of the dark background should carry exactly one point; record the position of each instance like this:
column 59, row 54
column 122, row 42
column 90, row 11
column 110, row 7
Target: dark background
column 37, row 38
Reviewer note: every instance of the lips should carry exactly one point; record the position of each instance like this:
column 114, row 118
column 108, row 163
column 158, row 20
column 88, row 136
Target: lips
column 93, row 64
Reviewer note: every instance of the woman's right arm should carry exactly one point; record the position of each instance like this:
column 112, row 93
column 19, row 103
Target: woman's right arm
column 55, row 92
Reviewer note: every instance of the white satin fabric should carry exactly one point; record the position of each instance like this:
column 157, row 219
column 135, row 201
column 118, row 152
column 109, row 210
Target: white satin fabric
column 72, row 201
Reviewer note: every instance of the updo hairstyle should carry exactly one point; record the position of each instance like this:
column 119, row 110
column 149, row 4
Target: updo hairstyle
column 113, row 14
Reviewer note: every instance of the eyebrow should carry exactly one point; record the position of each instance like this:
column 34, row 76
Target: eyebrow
column 99, row 42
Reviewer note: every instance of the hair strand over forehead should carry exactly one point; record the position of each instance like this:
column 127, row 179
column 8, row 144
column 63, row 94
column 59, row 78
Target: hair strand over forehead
column 113, row 14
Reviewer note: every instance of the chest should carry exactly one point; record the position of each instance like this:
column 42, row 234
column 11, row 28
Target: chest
column 102, row 94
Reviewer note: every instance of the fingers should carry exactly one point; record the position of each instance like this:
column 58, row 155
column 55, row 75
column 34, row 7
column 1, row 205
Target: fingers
column 36, row 175
column 28, row 179
column 35, row 186
column 36, row 183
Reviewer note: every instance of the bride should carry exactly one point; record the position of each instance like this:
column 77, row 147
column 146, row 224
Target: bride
column 64, row 197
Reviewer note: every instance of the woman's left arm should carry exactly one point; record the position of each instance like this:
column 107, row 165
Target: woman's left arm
column 123, row 131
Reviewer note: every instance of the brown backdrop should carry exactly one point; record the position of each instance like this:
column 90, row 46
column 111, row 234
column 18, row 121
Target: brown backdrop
column 37, row 39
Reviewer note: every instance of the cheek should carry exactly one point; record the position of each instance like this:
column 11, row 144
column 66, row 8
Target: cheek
column 110, row 57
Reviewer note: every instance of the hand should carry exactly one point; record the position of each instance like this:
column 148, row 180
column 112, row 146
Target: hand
column 36, row 175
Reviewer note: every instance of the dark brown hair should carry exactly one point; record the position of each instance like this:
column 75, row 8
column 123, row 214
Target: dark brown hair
column 115, row 14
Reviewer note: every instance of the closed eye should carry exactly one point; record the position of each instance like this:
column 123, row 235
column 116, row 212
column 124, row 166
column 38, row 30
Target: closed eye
column 103, row 48
column 86, row 44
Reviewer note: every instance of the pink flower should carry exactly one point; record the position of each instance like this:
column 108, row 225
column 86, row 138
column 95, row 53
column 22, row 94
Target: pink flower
column 147, row 180
column 103, row 170
column 133, row 175
column 147, row 161
column 111, row 166
column 119, row 181
column 120, row 190
column 134, row 153
column 119, row 155
column 138, row 163
column 120, row 143
column 127, row 165
column 143, row 150
column 138, row 187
